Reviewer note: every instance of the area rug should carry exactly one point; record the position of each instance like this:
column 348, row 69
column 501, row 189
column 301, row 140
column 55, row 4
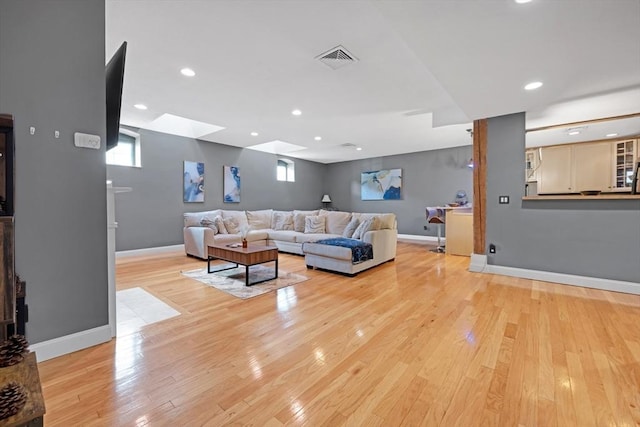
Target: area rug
column 232, row 281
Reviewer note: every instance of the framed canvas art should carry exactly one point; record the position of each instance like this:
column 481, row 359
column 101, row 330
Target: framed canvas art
column 231, row 183
column 384, row 184
column 193, row 178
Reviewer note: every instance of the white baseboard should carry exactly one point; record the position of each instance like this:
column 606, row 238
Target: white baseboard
column 69, row 343
column 417, row 238
column 150, row 251
column 479, row 264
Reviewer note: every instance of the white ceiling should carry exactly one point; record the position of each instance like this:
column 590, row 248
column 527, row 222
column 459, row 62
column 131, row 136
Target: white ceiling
column 425, row 69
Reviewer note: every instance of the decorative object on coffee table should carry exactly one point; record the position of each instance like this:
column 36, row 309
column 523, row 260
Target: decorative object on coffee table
column 13, row 350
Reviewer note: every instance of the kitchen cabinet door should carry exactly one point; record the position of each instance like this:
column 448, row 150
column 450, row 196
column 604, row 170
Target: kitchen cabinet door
column 591, row 167
column 554, row 172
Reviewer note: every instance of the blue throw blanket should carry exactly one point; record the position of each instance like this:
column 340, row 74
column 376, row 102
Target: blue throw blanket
column 360, row 251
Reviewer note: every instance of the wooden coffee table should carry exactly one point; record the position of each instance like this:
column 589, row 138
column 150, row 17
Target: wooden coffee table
column 251, row 255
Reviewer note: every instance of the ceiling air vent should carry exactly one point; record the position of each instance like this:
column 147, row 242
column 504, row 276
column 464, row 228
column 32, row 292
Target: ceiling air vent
column 336, row 58
column 348, row 145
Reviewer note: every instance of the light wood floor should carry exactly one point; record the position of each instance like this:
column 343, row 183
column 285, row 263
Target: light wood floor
column 418, row 341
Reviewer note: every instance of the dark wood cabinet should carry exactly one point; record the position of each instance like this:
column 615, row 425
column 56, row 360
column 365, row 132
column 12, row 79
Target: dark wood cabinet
column 7, row 273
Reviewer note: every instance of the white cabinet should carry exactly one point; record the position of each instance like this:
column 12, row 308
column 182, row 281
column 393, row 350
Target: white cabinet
column 602, row 166
column 591, row 167
column 624, row 155
column 554, row 172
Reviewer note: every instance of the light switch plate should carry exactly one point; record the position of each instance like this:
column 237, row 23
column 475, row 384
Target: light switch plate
column 85, row 140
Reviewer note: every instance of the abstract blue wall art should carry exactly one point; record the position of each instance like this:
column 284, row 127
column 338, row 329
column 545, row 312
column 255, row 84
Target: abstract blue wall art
column 381, row 185
column 193, row 182
column 231, row 184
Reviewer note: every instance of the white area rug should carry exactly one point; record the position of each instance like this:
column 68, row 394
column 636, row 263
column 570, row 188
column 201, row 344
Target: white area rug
column 233, row 281
column 136, row 308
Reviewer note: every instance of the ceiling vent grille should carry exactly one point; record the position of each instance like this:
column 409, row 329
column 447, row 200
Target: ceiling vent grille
column 336, row 58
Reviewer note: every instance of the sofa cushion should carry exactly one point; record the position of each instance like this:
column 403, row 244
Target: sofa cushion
column 219, row 223
column 312, row 237
column 239, row 216
column 385, row 220
column 259, row 220
column 298, row 219
column 366, row 225
column 283, row 235
column 192, row 219
column 282, row 220
column 351, row 227
column 224, row 239
column 314, row 224
column 336, row 221
column 210, row 223
column 254, row 235
column 231, row 224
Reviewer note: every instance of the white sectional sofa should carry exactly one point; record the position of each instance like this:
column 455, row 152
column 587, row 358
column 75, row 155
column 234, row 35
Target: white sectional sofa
column 292, row 232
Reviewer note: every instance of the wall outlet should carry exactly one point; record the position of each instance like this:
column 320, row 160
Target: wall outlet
column 503, row 200
column 492, row 248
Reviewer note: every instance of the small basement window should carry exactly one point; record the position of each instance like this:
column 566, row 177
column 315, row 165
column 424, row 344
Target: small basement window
column 285, row 170
column 127, row 152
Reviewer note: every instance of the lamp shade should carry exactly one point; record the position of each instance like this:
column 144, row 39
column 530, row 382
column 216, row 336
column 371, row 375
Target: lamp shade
column 326, row 199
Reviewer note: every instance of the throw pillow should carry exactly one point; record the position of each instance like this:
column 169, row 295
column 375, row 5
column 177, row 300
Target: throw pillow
column 209, row 222
column 351, row 227
column 231, row 225
column 282, row 221
column 366, row 225
column 220, row 225
column 314, row 224
column 259, row 220
column 299, row 221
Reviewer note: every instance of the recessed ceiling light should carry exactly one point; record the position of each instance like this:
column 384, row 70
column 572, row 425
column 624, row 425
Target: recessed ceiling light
column 318, row 138
column 140, row 106
column 188, row 72
column 522, row 1
column 254, row 133
column 358, row 148
column 533, row 85
column 575, row 132
column 296, row 112
column 611, row 135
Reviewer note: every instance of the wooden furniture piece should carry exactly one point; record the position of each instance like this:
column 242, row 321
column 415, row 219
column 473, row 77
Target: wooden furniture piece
column 459, row 231
column 7, row 277
column 251, row 255
column 25, row 373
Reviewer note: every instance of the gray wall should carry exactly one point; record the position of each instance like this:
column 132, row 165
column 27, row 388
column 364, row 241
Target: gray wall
column 151, row 215
column 581, row 237
column 52, row 77
column 429, row 178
